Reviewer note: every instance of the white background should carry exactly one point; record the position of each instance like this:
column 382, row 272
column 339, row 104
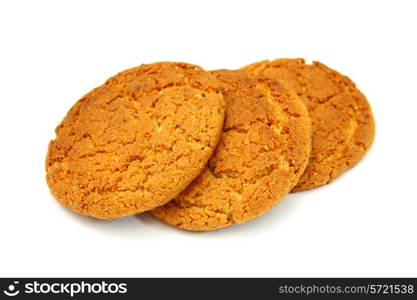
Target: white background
column 363, row 224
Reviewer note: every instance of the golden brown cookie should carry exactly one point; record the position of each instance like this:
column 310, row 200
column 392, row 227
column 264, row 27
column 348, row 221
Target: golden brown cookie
column 342, row 120
column 262, row 152
column 137, row 141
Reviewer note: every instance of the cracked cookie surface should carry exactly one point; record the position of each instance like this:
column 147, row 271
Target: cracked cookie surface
column 342, row 122
column 136, row 141
column 262, row 152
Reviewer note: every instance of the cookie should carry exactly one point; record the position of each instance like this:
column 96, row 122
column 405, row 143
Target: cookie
column 262, row 152
column 136, row 141
column 342, row 121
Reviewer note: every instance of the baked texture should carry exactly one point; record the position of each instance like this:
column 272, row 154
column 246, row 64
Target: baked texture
column 262, row 152
column 136, row 141
column 342, row 121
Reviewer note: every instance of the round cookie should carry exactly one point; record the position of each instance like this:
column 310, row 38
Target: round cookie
column 342, row 120
column 261, row 154
column 136, row 141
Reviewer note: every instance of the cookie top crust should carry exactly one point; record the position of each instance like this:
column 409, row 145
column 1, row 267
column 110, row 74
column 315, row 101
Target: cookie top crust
column 342, row 121
column 262, row 152
column 136, row 141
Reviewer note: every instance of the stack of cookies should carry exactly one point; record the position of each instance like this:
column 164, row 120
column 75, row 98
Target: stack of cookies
column 204, row 150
